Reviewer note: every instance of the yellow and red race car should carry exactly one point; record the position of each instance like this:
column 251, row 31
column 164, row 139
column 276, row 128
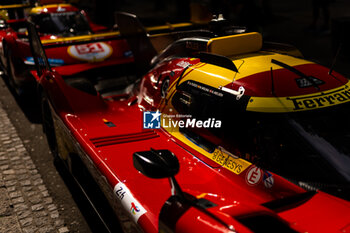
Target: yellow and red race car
column 223, row 133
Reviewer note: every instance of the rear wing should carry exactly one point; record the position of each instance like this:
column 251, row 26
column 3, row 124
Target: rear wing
column 80, row 39
column 14, row 6
column 14, row 11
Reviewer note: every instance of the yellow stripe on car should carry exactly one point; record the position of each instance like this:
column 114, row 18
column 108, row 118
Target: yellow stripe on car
column 106, row 34
column 5, row 7
column 39, row 9
column 81, row 38
column 168, row 26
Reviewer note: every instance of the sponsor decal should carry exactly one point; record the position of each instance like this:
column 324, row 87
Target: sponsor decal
column 52, row 61
column 303, row 82
column 129, row 203
column 128, row 54
column 317, row 100
column 134, row 208
column 268, row 179
column 108, row 123
column 323, row 99
column 229, row 161
column 254, row 175
column 92, row 52
column 183, row 64
column 206, row 89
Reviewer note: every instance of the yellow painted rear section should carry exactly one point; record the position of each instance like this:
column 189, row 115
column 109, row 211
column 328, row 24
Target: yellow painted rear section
column 235, row 44
column 39, row 9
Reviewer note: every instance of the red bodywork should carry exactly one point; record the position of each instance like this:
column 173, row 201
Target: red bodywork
column 105, row 131
column 82, row 118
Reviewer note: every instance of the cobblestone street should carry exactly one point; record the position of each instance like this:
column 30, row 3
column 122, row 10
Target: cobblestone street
column 25, row 203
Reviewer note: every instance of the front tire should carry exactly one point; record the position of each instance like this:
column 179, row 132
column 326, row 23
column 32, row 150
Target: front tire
column 48, row 125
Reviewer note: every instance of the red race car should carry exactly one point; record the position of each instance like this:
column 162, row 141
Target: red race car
column 222, row 134
column 56, row 24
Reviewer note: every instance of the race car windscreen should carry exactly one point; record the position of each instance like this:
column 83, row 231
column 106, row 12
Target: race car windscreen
column 310, row 148
column 62, row 24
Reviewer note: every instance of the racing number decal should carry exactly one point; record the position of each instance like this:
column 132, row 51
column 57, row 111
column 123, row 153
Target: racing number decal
column 89, row 48
column 92, row 52
column 236, row 165
column 129, row 203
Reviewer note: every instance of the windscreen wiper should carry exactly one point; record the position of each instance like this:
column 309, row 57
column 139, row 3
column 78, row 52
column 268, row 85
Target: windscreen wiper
column 298, row 72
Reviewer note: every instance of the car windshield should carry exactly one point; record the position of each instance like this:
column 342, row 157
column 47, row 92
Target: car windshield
column 310, row 148
column 62, row 24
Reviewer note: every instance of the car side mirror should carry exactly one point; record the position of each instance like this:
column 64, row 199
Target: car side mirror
column 159, row 164
column 156, row 163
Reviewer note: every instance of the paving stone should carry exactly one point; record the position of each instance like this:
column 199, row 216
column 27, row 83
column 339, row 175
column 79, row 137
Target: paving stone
column 41, row 213
column 9, row 177
column 54, row 214
column 45, row 193
column 30, row 193
column 20, row 206
column 27, row 188
column 38, row 181
column 11, row 189
column 26, row 183
column 37, row 207
column 9, row 172
column 29, row 229
column 15, row 194
column 17, row 200
column 23, row 214
column 48, row 200
column 4, row 167
column 59, row 223
column 63, row 230
column 35, row 199
column 42, row 188
column 26, row 221
column 9, row 183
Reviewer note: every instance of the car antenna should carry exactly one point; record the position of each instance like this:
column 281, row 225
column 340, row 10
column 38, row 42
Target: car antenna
column 292, row 69
column 272, row 83
column 335, row 58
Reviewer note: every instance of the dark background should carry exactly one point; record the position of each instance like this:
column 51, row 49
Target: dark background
column 287, row 21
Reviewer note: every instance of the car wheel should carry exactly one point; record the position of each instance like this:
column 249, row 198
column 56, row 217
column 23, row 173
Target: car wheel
column 10, row 71
column 48, row 126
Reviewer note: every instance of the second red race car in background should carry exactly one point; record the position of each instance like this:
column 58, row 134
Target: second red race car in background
column 57, row 24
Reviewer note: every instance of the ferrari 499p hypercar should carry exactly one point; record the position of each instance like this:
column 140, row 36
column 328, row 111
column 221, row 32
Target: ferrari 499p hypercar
column 221, row 133
column 57, row 24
